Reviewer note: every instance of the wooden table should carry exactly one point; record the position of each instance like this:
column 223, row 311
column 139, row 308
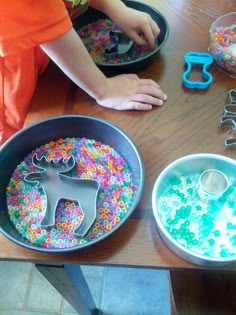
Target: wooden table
column 186, row 124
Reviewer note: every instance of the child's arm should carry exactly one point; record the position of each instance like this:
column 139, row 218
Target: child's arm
column 138, row 25
column 121, row 92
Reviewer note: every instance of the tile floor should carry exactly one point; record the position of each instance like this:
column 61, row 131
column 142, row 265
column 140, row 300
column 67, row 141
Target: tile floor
column 116, row 291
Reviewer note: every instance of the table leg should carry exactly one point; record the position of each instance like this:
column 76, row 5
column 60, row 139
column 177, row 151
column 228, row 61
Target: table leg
column 69, row 281
column 205, row 292
column 172, row 301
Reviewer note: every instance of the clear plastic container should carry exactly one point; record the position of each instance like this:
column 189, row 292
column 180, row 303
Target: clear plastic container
column 223, row 43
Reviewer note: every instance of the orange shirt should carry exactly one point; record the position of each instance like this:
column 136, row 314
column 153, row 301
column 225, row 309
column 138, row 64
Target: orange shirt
column 29, row 23
column 24, row 25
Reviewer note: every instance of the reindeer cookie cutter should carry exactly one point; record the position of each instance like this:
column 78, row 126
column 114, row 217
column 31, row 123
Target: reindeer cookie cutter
column 198, row 58
column 56, row 184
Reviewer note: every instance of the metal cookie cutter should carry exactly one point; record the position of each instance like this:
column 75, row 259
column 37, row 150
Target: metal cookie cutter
column 121, row 43
column 230, row 143
column 198, row 58
column 228, row 120
column 229, row 116
column 229, row 109
column 56, row 184
column 232, row 96
column 212, row 185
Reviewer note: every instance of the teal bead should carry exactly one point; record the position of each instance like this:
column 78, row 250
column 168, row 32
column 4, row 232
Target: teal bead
column 229, row 226
column 183, row 226
column 216, row 233
column 190, row 191
column 191, row 235
column 223, row 198
column 174, row 232
column 169, row 221
column 206, row 232
column 16, row 214
column 178, row 214
column 188, row 180
column 187, row 223
column 231, row 204
column 175, row 203
column 175, row 181
column 121, row 215
column 211, row 242
column 233, row 240
column 223, row 253
column 26, row 227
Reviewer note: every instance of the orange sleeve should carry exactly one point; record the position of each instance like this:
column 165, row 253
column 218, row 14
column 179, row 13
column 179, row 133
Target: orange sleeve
column 29, row 23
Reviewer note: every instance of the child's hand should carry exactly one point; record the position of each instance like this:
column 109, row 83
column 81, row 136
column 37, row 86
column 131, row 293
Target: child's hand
column 123, row 92
column 138, row 26
column 128, row 91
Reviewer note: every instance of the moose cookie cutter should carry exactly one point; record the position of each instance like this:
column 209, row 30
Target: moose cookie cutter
column 197, row 58
column 56, row 184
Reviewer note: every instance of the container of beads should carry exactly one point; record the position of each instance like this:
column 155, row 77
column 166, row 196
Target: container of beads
column 93, row 28
column 223, row 43
column 41, row 154
column 200, row 229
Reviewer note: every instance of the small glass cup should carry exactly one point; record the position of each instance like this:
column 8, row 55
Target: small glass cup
column 222, row 45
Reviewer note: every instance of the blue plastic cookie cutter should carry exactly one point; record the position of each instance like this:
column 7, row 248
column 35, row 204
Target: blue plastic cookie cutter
column 198, row 58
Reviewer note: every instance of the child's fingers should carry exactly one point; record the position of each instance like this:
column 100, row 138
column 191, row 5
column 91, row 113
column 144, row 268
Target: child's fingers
column 155, row 29
column 129, row 92
column 149, row 87
column 147, row 32
column 133, row 105
column 138, row 38
column 150, row 31
column 147, row 99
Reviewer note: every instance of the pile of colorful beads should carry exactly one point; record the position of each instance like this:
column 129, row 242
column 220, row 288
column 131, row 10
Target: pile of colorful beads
column 94, row 160
column 96, row 39
column 204, row 228
column 223, row 47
